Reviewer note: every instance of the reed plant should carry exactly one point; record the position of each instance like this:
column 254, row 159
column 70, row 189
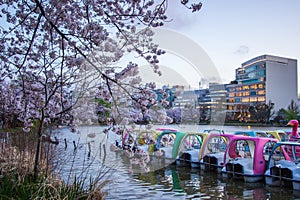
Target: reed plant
column 17, row 179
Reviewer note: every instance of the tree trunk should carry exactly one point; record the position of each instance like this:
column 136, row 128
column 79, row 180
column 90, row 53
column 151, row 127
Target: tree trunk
column 38, row 148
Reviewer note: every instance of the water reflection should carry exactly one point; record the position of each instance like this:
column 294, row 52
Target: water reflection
column 128, row 181
column 191, row 184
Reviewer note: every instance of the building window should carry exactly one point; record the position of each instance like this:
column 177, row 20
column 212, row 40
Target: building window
column 231, row 94
column 262, row 99
column 261, row 92
column 261, row 73
column 246, row 93
column 254, row 86
column 246, row 87
column 238, row 94
column 231, row 100
column 250, row 69
column 253, row 99
column 260, row 86
column 245, row 100
column 252, row 93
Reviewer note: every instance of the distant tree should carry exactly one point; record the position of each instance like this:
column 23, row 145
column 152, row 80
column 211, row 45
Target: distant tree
column 175, row 114
column 204, row 113
column 242, row 114
column 261, row 112
column 292, row 111
column 190, row 114
column 280, row 116
column 290, row 114
column 270, row 111
column 293, row 106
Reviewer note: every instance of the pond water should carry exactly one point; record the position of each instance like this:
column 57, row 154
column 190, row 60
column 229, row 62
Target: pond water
column 135, row 180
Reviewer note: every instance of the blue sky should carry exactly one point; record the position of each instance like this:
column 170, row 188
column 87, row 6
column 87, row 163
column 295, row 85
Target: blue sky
column 234, row 31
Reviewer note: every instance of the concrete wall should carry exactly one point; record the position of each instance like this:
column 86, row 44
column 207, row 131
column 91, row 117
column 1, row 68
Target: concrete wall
column 281, row 81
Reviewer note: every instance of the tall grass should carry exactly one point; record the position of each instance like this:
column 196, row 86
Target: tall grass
column 17, row 154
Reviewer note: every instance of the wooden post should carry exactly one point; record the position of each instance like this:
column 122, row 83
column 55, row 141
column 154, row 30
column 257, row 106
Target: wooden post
column 89, row 147
column 66, row 145
column 75, row 147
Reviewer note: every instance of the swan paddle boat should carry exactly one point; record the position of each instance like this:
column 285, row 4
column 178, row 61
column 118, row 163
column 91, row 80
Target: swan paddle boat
column 146, row 140
column 136, row 141
column 213, row 150
column 167, row 144
column 284, row 165
column 189, row 149
column 246, row 158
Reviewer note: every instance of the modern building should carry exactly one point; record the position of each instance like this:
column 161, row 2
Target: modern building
column 264, row 79
column 186, row 98
column 260, row 81
column 218, row 94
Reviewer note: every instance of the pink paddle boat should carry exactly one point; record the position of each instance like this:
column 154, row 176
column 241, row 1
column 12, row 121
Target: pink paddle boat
column 246, row 158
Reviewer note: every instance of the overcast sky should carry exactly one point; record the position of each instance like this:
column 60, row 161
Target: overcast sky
column 234, row 31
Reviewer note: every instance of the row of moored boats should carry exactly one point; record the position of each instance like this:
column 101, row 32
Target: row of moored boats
column 270, row 156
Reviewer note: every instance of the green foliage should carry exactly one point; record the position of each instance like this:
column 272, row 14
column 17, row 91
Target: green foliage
column 101, row 102
column 292, row 111
column 16, row 187
column 290, row 114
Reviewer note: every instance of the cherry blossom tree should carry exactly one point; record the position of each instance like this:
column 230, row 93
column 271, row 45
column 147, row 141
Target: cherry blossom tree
column 8, row 101
column 46, row 47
